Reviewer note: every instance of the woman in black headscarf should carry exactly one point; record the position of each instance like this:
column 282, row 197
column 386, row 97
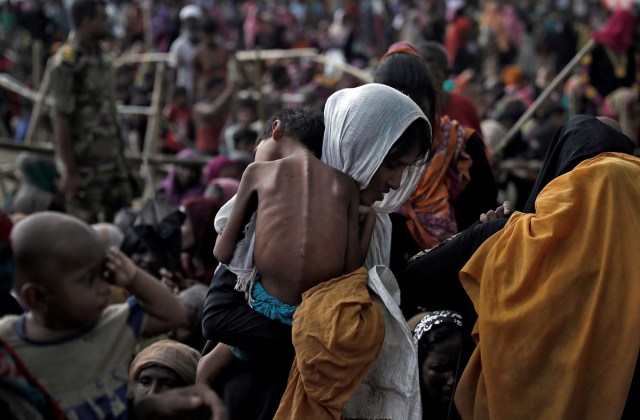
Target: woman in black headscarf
column 581, row 138
column 430, row 280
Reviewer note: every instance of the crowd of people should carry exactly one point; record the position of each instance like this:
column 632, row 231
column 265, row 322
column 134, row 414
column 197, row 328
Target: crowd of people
column 323, row 246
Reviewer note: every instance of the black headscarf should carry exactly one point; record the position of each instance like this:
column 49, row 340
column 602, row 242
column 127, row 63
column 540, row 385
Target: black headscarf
column 582, row 137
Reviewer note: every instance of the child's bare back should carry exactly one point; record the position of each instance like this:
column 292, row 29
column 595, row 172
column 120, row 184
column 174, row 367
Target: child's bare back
column 307, row 224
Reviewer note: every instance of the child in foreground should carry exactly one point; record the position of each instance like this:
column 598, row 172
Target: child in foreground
column 71, row 340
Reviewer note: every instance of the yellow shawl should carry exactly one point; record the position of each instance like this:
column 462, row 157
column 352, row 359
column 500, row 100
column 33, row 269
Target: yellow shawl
column 556, row 294
column 337, row 334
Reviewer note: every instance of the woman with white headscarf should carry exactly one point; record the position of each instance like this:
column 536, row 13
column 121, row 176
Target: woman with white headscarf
column 364, row 139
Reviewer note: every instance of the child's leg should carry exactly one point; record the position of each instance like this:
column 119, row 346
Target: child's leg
column 211, row 366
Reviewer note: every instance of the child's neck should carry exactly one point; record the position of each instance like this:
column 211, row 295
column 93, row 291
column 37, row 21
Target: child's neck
column 294, row 148
column 36, row 329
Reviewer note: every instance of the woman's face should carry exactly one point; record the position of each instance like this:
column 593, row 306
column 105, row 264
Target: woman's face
column 155, row 380
column 388, row 176
column 439, row 369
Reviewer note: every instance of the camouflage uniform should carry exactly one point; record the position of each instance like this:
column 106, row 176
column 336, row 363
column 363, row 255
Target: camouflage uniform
column 83, row 88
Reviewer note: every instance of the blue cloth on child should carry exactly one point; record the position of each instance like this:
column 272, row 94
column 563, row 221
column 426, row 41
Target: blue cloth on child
column 271, row 307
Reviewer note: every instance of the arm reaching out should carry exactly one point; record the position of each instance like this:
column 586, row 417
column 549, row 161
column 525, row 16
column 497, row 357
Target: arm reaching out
column 164, row 309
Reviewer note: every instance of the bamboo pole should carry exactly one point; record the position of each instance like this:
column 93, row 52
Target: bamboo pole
column 310, row 53
column 586, row 49
column 36, row 62
column 151, row 134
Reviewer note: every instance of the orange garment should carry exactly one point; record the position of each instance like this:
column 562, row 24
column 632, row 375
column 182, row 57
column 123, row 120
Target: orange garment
column 429, row 209
column 556, row 293
column 457, row 36
column 337, row 334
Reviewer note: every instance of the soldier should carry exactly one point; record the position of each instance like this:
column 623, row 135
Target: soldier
column 89, row 147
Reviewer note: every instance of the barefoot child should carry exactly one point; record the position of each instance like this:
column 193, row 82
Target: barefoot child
column 76, row 345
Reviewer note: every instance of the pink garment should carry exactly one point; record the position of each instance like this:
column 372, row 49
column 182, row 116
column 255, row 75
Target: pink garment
column 229, row 187
column 618, row 32
column 218, row 163
column 174, row 193
column 252, row 26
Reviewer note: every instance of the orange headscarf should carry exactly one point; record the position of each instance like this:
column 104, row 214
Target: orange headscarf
column 430, row 209
column 556, row 294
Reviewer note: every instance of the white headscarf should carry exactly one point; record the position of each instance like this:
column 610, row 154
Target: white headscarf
column 361, row 126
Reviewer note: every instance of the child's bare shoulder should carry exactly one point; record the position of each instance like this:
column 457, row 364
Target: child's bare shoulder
column 257, row 169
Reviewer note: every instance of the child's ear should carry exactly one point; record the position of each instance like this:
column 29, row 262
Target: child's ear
column 34, row 296
column 278, row 130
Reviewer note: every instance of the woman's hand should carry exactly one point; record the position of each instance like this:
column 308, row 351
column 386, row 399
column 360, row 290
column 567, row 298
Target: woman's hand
column 501, row 212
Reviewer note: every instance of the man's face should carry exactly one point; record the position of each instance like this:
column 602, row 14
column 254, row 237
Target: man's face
column 100, row 27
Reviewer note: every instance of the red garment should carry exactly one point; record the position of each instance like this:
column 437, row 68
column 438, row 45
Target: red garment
column 461, row 109
column 457, row 36
column 618, row 32
column 208, row 136
column 179, row 118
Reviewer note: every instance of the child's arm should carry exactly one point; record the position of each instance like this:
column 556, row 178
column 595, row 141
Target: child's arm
column 164, row 309
column 354, row 258
column 244, row 206
column 211, row 365
column 367, row 221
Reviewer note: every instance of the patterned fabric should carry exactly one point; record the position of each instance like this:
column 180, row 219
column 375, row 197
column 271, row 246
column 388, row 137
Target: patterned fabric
column 434, row 318
column 429, row 209
column 83, row 90
column 16, row 380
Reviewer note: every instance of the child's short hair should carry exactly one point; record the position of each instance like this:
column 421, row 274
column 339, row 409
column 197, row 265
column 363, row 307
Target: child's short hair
column 302, row 123
column 247, row 103
column 179, row 91
column 244, row 136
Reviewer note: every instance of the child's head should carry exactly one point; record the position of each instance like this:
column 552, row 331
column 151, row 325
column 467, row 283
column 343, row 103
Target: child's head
column 244, row 140
column 164, row 365
column 301, row 124
column 180, row 96
column 246, row 111
column 59, row 275
column 190, row 333
column 438, row 335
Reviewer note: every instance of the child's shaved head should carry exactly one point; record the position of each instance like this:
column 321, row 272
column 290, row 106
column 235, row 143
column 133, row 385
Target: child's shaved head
column 46, row 242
